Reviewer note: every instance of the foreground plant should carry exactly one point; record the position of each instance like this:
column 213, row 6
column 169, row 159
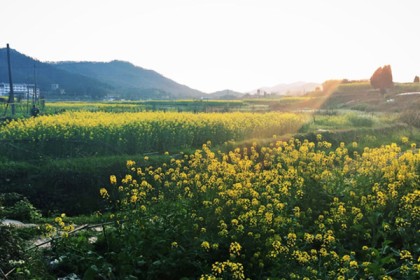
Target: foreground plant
column 292, row 210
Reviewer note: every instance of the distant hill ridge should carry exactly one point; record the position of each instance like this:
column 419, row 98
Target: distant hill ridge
column 28, row 70
column 93, row 80
column 296, row 88
column 115, row 79
column 130, row 79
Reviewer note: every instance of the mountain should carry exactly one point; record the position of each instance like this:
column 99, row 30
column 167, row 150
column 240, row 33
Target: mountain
column 28, row 70
column 130, row 80
column 297, row 88
column 226, row 94
column 92, row 80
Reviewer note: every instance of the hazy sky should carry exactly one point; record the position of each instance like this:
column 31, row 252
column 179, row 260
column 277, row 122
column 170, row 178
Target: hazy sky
column 212, row 45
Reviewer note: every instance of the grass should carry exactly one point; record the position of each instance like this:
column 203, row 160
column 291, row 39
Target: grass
column 340, row 120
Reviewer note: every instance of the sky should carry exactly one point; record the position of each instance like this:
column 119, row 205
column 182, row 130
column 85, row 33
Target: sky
column 212, row 45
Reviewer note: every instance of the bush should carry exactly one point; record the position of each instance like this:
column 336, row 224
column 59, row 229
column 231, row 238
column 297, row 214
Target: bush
column 411, row 117
column 16, row 206
column 16, row 261
column 10, row 249
column 362, row 107
column 360, row 121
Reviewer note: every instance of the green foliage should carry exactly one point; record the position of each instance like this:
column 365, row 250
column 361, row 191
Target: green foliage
column 148, row 253
column 197, row 105
column 411, row 117
column 360, row 121
column 20, row 263
column 362, row 107
column 336, row 120
column 112, row 107
column 61, row 185
column 10, row 249
column 72, row 254
column 16, row 206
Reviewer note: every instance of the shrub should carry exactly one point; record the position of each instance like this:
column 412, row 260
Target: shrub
column 360, row 121
column 16, row 206
column 11, row 248
column 411, row 117
column 18, row 262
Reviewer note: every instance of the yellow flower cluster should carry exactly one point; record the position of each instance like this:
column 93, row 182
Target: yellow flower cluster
column 61, row 226
column 235, row 248
column 236, row 270
column 295, row 204
column 141, row 132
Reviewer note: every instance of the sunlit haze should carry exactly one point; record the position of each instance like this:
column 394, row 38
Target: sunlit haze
column 213, row 45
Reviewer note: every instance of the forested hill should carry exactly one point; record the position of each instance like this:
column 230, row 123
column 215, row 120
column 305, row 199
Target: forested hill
column 92, row 80
column 130, row 80
column 28, row 70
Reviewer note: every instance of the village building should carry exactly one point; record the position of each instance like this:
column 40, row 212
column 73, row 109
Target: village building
column 22, row 90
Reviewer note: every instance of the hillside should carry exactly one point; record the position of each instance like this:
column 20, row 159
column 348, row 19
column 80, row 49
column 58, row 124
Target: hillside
column 226, row 94
column 129, row 80
column 292, row 89
column 92, row 80
column 361, row 96
column 25, row 68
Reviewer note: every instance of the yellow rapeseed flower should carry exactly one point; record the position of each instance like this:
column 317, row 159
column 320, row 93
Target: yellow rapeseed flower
column 205, row 245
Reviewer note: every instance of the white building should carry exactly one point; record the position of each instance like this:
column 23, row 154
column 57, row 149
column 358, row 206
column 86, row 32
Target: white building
column 25, row 90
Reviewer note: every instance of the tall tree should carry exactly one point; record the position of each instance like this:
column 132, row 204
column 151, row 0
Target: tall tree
column 416, row 79
column 382, row 78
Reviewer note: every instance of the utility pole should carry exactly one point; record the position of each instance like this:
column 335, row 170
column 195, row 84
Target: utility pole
column 27, row 100
column 34, row 94
column 11, row 94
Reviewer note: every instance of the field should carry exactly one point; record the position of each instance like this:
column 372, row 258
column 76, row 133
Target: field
column 132, row 133
column 216, row 190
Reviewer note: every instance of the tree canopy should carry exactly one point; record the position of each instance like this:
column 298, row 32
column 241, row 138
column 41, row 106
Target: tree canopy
column 382, row 78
